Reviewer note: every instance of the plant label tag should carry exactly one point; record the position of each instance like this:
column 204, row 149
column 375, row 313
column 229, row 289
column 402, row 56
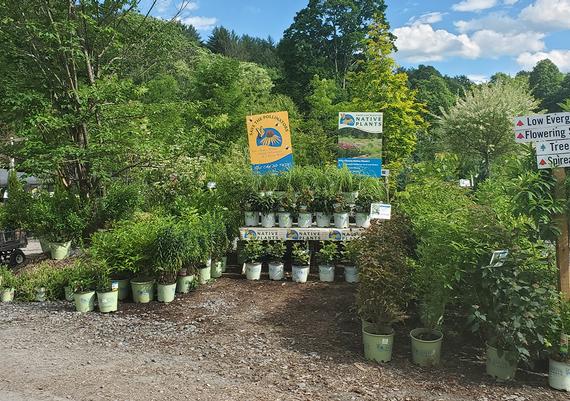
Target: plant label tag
column 499, row 257
column 114, row 286
column 385, row 341
column 380, row 211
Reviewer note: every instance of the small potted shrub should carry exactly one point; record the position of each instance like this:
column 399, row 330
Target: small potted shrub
column 84, row 282
column 267, row 205
column 168, row 255
column 301, row 255
column 384, row 290
column 304, row 208
column 371, row 191
column 348, row 262
column 559, row 364
column 107, row 296
column 324, row 207
column 7, row 285
column 341, row 212
column 287, row 205
column 254, row 252
column 326, row 257
column 219, row 242
column 252, row 208
column 275, row 253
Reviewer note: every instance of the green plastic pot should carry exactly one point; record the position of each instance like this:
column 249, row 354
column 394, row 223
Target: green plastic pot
column 224, row 261
column 124, row 288
column 205, row 273
column 41, row 295
column 84, row 301
column 559, row 375
column 143, row 291
column 6, row 295
column 68, row 294
column 217, row 269
column 60, row 250
column 378, row 347
column 184, row 284
column 426, row 352
column 108, row 301
column 500, row 367
column 166, row 292
column 44, row 245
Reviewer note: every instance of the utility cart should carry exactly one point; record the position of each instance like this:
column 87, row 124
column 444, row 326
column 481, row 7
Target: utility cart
column 11, row 242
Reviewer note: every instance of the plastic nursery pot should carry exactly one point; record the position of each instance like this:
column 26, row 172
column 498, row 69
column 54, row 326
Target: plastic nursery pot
column 426, row 346
column 68, row 294
column 251, row 219
column 378, row 347
column 184, row 284
column 217, row 269
column 351, row 274
column 323, row 220
column 60, row 250
column 143, row 291
column 124, row 289
column 84, row 301
column 268, row 220
column 326, row 273
column 500, row 367
column 41, row 294
column 44, row 245
column 341, row 220
column 285, row 220
column 108, row 301
column 559, row 375
column 300, row 273
column 276, row 271
column 362, row 220
column 305, row 220
column 166, row 292
column 224, row 261
column 253, row 271
column 6, row 295
column 205, row 273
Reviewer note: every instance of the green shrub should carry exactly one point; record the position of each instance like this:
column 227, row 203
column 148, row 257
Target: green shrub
column 328, row 253
column 7, row 278
column 254, row 251
column 167, row 254
column 119, row 203
column 276, row 250
column 301, row 254
column 52, row 277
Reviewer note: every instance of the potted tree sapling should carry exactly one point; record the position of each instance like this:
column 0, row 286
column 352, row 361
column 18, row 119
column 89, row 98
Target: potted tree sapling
column 107, row 295
column 84, row 283
column 254, row 252
column 7, row 285
column 427, row 340
column 252, row 209
column 341, row 212
column 167, row 255
column 275, row 253
column 324, row 207
column 267, row 205
column 348, row 262
column 301, row 255
column 287, row 205
column 326, row 257
column 304, row 208
column 559, row 364
column 384, row 290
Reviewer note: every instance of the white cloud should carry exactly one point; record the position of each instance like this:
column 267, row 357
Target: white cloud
column 474, row 5
column 510, row 2
column 200, row 23
column 561, row 58
column 428, row 18
column 497, row 22
column 547, row 14
column 495, row 44
column 478, row 79
column 162, row 6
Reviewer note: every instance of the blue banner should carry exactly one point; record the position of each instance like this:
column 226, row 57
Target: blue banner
column 368, row 167
column 284, row 164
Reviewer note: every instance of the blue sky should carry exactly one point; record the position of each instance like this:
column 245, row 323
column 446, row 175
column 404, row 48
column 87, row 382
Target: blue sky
column 472, row 37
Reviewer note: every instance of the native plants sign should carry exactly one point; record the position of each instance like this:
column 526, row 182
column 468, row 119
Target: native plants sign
column 360, row 146
column 269, row 137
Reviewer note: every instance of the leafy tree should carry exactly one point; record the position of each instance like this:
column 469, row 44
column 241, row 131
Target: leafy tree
column 479, row 127
column 545, row 80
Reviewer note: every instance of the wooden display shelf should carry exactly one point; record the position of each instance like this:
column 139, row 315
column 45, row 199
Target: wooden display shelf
column 299, row 234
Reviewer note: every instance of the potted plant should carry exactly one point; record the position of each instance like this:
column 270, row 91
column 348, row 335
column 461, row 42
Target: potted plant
column 383, row 293
column 559, row 364
column 219, row 241
column 7, row 285
column 427, row 340
column 287, row 205
column 168, row 255
column 84, row 282
column 252, row 208
column 107, row 294
column 324, row 207
column 347, row 184
column 341, row 212
column 348, row 262
column 304, row 208
column 301, row 255
column 267, row 205
column 275, row 252
column 326, row 257
column 254, row 252
column 371, row 191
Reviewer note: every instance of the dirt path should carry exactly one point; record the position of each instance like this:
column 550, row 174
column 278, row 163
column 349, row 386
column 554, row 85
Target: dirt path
column 233, row 340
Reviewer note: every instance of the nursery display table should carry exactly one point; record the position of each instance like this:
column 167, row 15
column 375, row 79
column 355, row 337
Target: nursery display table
column 299, row 234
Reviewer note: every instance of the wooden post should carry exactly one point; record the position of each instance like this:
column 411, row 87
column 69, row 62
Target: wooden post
column 563, row 240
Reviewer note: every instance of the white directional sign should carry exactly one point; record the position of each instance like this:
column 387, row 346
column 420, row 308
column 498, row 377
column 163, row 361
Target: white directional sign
column 553, row 148
column 552, row 161
column 542, row 127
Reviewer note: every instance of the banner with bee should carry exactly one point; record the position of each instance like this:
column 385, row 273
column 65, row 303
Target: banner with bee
column 269, row 138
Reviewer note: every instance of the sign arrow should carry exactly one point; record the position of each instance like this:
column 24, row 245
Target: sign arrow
column 542, row 162
column 520, row 136
column 520, row 123
column 543, row 147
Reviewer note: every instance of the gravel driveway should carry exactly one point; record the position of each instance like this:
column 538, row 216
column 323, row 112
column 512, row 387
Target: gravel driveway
column 232, row 340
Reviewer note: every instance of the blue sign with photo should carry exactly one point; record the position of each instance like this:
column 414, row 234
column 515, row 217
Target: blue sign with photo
column 368, row 167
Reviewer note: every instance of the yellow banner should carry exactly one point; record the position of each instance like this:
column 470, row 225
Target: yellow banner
column 269, row 138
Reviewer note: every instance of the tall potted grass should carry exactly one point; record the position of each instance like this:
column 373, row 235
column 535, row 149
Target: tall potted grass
column 301, row 255
column 326, row 257
column 168, row 255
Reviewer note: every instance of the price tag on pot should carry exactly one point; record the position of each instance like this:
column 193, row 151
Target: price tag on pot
column 380, row 211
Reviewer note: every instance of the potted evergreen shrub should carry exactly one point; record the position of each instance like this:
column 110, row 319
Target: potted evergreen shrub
column 254, row 252
column 107, row 296
column 304, row 208
column 324, row 207
column 252, row 209
column 168, row 255
column 348, row 262
column 384, row 290
column 341, row 212
column 7, row 285
column 275, row 253
column 559, row 364
column 84, row 282
column 267, row 205
column 301, row 255
column 326, row 257
column 287, row 205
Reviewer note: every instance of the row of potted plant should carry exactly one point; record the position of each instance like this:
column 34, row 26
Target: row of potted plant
column 329, row 255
